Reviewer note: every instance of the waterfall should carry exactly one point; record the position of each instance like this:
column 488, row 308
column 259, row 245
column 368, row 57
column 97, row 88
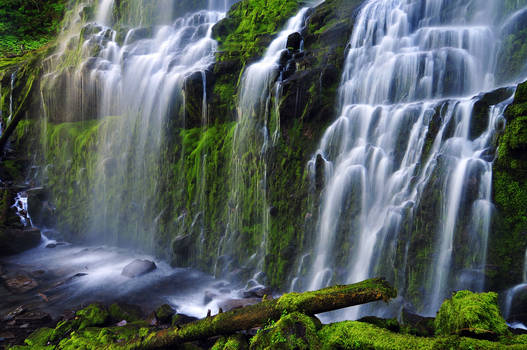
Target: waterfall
column 408, row 161
column 252, row 137
column 134, row 83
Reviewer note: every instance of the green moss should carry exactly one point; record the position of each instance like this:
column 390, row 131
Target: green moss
column 298, row 301
column 93, row 315
column 351, row 335
column 292, row 331
column 40, row 337
column 246, row 30
column 234, row 342
column 471, row 313
column 26, row 25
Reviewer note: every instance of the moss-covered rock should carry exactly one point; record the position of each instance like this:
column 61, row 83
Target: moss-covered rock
column 472, row 314
column 40, row 337
column 234, row 342
column 93, row 315
column 293, row 331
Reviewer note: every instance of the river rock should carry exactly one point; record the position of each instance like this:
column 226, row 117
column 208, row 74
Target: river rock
column 231, row 304
column 20, row 284
column 138, row 268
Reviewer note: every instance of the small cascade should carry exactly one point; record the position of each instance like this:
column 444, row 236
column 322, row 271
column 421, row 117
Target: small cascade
column 12, row 88
column 251, row 142
column 22, row 209
column 408, row 162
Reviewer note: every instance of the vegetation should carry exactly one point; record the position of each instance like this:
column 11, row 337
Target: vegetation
column 28, row 25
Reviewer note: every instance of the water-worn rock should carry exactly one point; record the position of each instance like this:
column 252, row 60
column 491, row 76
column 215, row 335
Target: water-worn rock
column 138, row 268
column 20, row 284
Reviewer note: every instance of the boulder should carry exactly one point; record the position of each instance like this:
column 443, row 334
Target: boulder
column 138, row 268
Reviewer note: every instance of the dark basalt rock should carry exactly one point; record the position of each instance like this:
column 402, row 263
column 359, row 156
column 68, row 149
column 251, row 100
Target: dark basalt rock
column 481, row 110
column 138, row 268
column 418, row 325
column 294, row 41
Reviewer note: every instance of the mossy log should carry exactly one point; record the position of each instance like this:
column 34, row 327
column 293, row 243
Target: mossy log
column 310, row 303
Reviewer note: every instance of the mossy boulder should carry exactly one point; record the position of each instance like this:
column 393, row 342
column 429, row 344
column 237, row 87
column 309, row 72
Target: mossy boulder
column 164, row 313
column 292, row 331
column 472, row 314
column 93, row 315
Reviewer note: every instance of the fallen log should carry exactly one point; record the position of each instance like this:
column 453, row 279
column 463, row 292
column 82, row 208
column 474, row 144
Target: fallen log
column 310, row 303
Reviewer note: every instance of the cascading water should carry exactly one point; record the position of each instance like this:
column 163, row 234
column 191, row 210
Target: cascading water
column 134, row 83
column 252, row 136
column 408, row 160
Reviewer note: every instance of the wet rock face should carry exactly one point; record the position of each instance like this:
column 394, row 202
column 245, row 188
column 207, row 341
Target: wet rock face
column 138, row 268
column 14, row 241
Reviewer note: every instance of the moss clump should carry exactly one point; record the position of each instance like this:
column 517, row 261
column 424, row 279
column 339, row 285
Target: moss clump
column 164, row 313
column 246, row 30
column 293, row 331
column 471, row 313
column 234, row 342
column 93, row 315
column 40, row 337
column 351, row 335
